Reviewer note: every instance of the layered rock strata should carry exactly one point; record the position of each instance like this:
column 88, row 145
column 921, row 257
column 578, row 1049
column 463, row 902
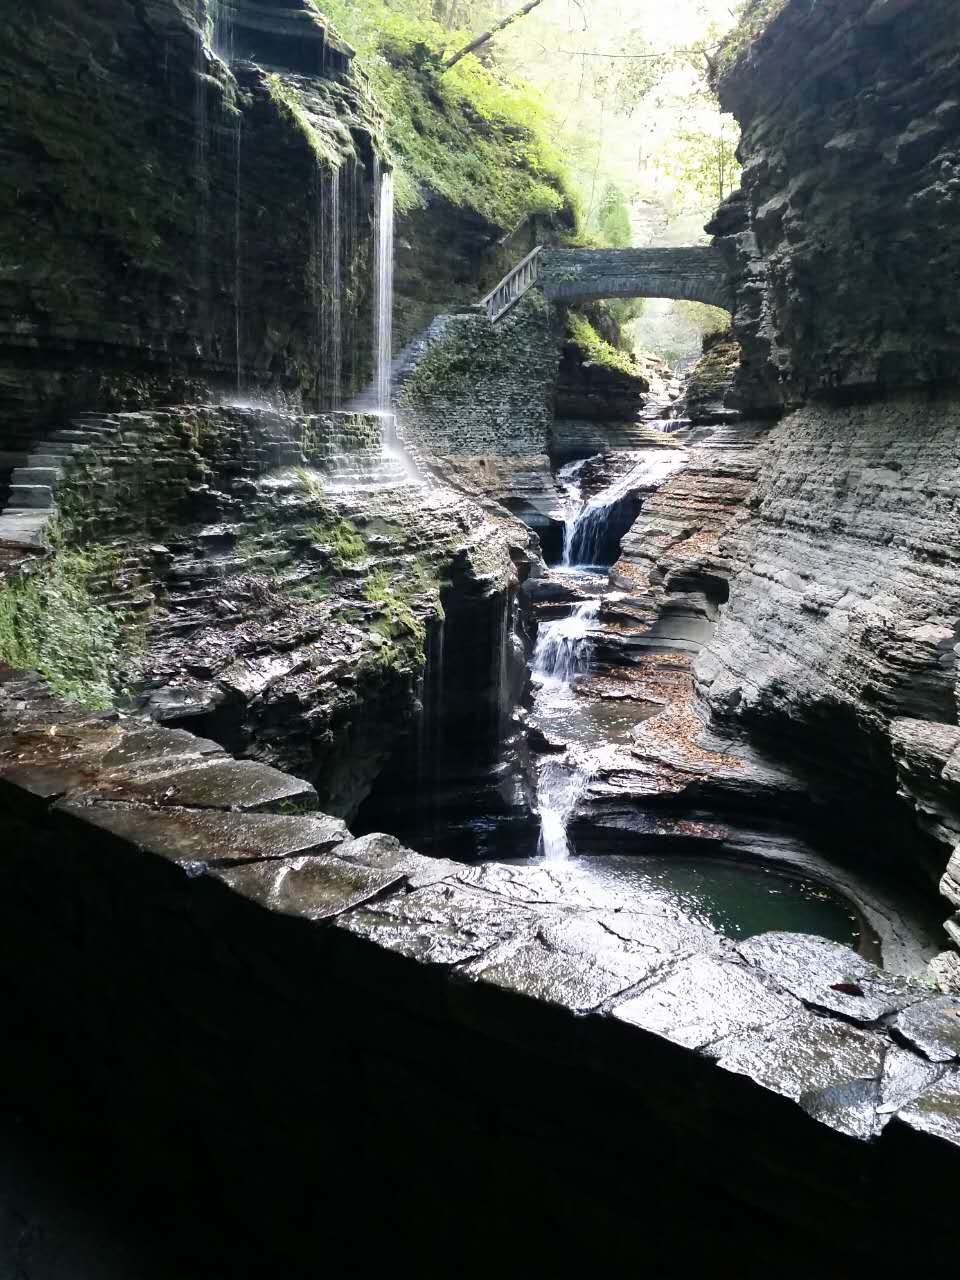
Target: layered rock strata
column 844, row 235
column 144, row 182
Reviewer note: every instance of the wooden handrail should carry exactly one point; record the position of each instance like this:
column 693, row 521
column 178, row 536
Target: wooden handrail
column 513, row 286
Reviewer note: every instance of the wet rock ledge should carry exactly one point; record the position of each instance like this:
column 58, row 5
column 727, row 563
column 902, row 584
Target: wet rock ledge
column 197, row 915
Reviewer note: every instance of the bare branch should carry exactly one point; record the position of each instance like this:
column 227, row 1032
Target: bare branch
column 488, row 35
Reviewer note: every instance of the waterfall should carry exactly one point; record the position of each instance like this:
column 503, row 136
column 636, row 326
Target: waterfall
column 237, row 255
column 328, row 287
column 335, row 320
column 564, row 647
column 593, row 527
column 201, row 164
column 383, row 284
column 568, row 478
column 222, row 35
column 559, row 787
column 562, row 653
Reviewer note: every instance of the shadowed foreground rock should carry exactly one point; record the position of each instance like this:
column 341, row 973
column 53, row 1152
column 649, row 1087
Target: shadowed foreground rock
column 469, row 1022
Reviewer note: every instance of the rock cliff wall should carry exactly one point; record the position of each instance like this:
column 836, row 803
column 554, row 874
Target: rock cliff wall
column 845, row 241
column 168, row 225
column 837, row 645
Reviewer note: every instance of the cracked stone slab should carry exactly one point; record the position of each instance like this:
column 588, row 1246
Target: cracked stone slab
column 314, row 888
column 153, row 742
column 572, row 961
column 933, row 1027
column 829, row 975
column 244, row 785
column 386, row 853
column 197, row 838
column 51, row 760
column 936, row 1112
column 905, row 1076
column 706, row 998
column 441, row 924
column 833, row 1070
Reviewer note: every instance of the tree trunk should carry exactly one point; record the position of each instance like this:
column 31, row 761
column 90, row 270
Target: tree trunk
column 488, row 35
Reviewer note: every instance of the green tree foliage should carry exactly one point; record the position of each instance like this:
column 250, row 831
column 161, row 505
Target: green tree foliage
column 702, row 157
column 474, row 136
column 613, row 218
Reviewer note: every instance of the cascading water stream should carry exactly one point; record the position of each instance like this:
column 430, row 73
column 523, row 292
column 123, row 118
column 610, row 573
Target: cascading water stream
column 562, row 653
column 237, row 257
column 563, row 649
column 588, row 531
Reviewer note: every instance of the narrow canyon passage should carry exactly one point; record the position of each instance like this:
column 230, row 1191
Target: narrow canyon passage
column 479, row 621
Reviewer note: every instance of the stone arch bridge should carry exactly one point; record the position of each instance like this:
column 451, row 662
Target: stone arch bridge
column 694, row 274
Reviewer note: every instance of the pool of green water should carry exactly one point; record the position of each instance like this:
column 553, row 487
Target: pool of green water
column 737, row 899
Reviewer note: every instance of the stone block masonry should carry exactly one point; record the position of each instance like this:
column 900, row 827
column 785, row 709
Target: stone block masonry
column 478, row 389
column 695, row 274
column 278, row 1016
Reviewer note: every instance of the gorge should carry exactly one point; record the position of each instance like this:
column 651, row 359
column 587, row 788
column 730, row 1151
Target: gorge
column 463, row 783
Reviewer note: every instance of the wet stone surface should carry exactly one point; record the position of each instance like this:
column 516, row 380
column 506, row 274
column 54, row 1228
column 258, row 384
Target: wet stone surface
column 313, row 888
column 831, row 1069
column 441, row 924
column 828, row 975
column 245, row 785
column 705, row 999
column 937, row 1110
column 933, row 1027
column 197, row 839
column 853, row 1047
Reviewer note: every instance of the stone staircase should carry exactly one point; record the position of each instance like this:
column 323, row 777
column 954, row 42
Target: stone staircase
column 29, row 495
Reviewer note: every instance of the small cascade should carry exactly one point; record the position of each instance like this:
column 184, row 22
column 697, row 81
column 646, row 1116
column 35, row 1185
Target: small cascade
column 589, row 535
column 568, row 478
column 223, row 30
column 562, row 653
column 564, row 647
column 559, row 787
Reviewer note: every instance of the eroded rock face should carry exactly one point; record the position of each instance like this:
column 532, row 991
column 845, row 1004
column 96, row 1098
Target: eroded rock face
column 143, row 187
column 846, row 227
column 843, row 614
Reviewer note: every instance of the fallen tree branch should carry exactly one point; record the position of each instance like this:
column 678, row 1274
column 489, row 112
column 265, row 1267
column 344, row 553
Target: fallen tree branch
column 488, row 35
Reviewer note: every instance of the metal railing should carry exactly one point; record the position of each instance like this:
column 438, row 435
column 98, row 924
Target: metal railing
column 512, row 287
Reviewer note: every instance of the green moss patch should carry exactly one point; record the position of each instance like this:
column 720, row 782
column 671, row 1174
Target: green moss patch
column 50, row 622
column 597, row 349
column 468, row 135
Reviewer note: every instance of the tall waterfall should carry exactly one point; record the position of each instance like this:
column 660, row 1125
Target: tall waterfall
column 328, row 285
column 201, row 166
column 238, row 256
column 383, row 284
column 223, row 34
column 588, row 531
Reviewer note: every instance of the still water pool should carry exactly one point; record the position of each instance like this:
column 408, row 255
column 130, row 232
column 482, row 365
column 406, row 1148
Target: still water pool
column 738, row 899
